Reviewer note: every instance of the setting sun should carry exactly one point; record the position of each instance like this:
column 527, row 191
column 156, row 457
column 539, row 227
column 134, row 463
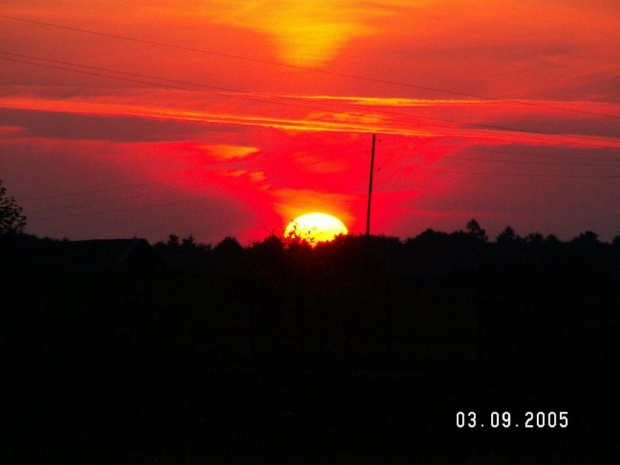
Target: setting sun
column 315, row 227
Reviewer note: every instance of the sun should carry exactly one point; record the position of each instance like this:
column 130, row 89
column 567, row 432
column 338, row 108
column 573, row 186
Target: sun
column 315, row 227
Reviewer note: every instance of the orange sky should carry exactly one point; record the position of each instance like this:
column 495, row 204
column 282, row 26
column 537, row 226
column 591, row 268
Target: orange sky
column 231, row 117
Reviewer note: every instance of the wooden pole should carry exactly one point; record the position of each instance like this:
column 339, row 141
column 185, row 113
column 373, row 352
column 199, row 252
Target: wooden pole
column 372, row 169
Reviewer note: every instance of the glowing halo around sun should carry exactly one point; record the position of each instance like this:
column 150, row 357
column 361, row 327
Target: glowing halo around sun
column 315, row 227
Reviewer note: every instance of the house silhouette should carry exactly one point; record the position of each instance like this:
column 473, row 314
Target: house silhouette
column 90, row 255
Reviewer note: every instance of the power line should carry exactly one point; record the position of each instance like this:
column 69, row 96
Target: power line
column 143, row 79
column 157, row 205
column 545, row 155
column 138, row 185
column 304, row 68
column 130, row 186
column 158, row 84
column 96, row 191
column 149, row 194
column 236, row 95
column 88, row 204
column 527, row 175
column 64, row 207
column 531, row 162
column 103, row 212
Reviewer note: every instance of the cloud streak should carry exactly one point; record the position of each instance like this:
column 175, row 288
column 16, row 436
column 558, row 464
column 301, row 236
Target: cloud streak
column 380, row 117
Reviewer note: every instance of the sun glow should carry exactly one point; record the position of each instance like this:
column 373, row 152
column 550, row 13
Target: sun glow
column 315, row 227
column 305, row 33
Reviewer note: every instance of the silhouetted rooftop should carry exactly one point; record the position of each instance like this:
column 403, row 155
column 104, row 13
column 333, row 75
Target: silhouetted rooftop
column 86, row 255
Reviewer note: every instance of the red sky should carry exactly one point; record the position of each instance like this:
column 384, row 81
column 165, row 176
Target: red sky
column 232, row 117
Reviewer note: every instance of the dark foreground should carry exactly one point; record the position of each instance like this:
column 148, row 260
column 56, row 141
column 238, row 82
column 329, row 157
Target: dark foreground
column 337, row 355
column 251, row 416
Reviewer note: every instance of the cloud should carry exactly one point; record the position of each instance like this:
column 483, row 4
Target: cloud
column 474, row 120
column 229, row 152
column 221, row 115
column 11, row 131
column 283, row 138
column 307, row 33
column 73, row 124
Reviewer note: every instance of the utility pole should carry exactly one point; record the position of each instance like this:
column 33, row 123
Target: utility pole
column 372, row 169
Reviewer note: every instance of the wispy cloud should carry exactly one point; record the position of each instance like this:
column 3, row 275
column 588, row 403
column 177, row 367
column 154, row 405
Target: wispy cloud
column 307, row 33
column 385, row 116
column 229, row 152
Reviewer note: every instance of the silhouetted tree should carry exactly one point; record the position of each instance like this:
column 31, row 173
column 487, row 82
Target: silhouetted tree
column 183, row 253
column 270, row 250
column 587, row 247
column 535, row 238
column 552, row 239
column 228, row 245
column 12, row 221
column 426, row 239
column 173, row 241
column 474, row 230
column 189, row 242
column 189, row 245
column 508, row 235
column 229, row 257
column 586, row 239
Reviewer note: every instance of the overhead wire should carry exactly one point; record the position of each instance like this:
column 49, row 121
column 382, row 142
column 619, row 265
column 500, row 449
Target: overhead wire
column 545, row 155
column 390, row 161
column 531, row 162
column 99, row 202
column 108, row 189
column 170, row 83
column 130, row 198
column 527, row 175
column 441, row 171
column 174, row 84
column 119, row 210
column 423, row 167
column 237, row 94
column 147, row 194
column 303, row 68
